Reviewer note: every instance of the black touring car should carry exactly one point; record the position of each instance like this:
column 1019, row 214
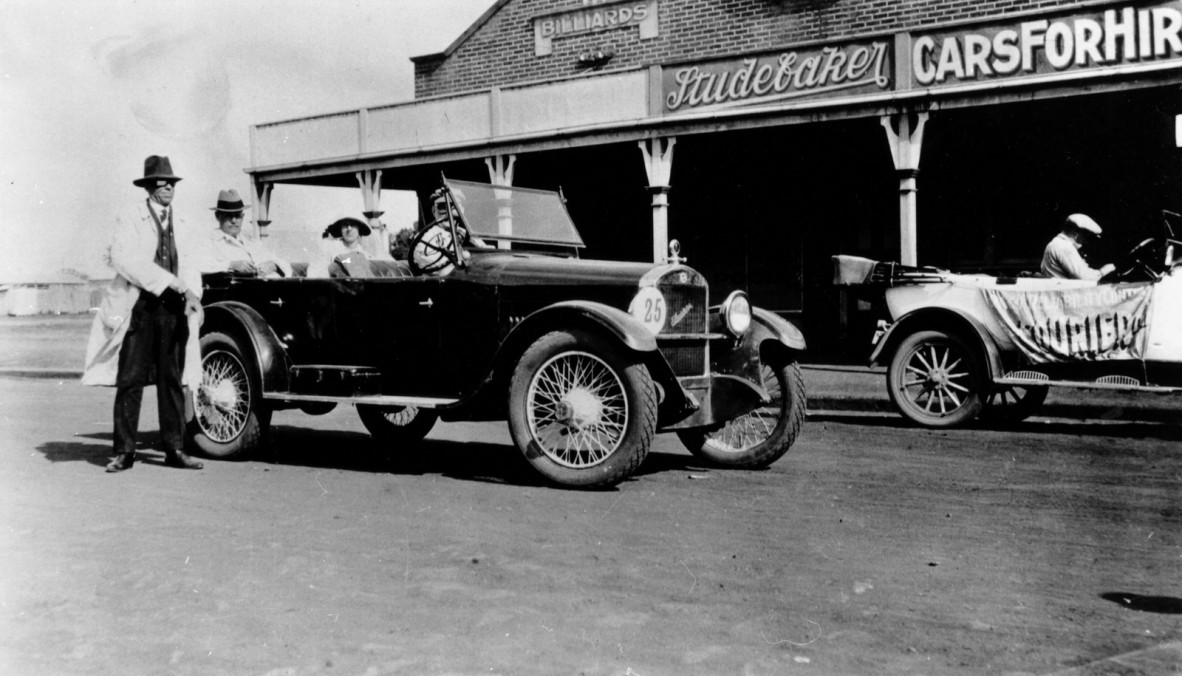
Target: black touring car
column 586, row 359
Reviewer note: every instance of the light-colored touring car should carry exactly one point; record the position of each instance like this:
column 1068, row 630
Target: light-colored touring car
column 959, row 347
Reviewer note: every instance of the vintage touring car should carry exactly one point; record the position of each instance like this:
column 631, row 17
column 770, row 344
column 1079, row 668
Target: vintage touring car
column 586, row 359
column 962, row 346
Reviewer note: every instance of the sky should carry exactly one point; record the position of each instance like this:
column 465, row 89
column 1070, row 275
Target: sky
column 89, row 88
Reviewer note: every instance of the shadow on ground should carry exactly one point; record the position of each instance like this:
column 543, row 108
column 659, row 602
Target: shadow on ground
column 1090, row 428
column 359, row 452
column 1162, row 605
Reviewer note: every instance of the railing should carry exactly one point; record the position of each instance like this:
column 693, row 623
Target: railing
column 516, row 112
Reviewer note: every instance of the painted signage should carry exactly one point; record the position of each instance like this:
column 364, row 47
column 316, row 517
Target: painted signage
column 806, row 73
column 593, row 19
column 1113, row 37
column 1089, row 324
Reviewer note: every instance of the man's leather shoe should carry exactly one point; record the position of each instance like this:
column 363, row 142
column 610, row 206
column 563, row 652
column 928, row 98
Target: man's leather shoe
column 121, row 462
column 179, row 459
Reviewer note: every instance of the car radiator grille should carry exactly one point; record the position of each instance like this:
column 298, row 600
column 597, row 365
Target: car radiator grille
column 687, row 314
column 686, row 306
column 686, row 359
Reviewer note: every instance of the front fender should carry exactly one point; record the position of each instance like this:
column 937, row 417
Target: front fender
column 629, row 330
column 775, row 327
column 741, row 356
column 941, row 319
column 244, row 324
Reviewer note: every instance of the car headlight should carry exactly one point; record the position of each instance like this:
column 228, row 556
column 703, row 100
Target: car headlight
column 736, row 313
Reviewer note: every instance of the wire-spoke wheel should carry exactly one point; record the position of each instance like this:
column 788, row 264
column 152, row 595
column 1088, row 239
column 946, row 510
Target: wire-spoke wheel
column 397, row 425
column 1013, row 403
column 227, row 418
column 934, row 379
column 581, row 411
column 762, row 436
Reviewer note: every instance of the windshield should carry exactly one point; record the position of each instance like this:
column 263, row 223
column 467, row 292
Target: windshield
column 514, row 214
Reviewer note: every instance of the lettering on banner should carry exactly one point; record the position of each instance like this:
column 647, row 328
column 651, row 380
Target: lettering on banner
column 1133, row 34
column 1091, row 338
column 1091, row 324
column 811, row 73
column 593, row 18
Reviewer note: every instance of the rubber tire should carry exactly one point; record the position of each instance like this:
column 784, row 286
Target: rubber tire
column 639, row 402
column 709, row 446
column 1025, row 404
column 955, row 348
column 394, row 433
column 258, row 417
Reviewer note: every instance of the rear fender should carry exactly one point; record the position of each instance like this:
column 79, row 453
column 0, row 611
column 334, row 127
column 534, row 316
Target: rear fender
column 245, row 325
column 940, row 319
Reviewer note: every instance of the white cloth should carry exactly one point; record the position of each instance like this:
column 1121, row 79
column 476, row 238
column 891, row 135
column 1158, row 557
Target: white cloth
column 1061, row 259
column 1082, row 324
column 132, row 254
column 225, row 249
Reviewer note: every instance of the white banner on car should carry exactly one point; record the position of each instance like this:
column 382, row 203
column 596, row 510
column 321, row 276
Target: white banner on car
column 1098, row 323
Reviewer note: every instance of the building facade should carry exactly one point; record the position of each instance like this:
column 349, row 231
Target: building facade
column 768, row 135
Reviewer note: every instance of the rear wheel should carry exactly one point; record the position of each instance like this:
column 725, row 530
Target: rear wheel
column 396, row 425
column 228, row 416
column 762, row 436
column 935, row 379
column 1013, row 403
column 582, row 411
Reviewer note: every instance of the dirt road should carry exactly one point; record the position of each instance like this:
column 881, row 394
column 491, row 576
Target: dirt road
column 871, row 549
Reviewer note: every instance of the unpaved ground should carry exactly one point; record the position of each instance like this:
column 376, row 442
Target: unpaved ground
column 871, row 549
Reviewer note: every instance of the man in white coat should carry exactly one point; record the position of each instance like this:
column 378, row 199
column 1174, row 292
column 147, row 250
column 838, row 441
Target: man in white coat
column 231, row 251
column 145, row 331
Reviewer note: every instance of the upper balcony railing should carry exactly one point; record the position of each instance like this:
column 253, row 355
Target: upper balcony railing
column 499, row 114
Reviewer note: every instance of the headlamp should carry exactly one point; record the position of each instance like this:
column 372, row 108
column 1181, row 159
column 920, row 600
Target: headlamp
column 736, row 313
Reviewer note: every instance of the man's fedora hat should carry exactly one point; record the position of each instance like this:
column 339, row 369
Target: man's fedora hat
column 156, row 168
column 229, row 202
column 334, row 230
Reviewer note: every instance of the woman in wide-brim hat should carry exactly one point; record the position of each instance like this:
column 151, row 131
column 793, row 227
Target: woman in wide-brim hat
column 335, row 230
column 344, row 255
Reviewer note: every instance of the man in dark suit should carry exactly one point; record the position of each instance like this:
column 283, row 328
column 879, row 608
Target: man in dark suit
column 145, row 320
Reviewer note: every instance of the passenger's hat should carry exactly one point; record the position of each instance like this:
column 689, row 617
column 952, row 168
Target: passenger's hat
column 229, row 202
column 156, row 168
column 1085, row 223
column 334, row 230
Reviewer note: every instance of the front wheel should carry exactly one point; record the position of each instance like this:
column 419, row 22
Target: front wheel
column 762, row 436
column 935, row 379
column 582, row 411
column 228, row 416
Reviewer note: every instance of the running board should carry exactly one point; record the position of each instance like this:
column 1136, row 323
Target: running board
column 374, row 399
column 1118, row 387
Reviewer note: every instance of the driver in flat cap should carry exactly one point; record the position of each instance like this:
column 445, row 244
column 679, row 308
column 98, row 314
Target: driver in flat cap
column 1062, row 259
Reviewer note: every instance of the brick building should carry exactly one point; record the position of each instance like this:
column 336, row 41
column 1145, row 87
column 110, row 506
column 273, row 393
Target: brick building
column 768, row 135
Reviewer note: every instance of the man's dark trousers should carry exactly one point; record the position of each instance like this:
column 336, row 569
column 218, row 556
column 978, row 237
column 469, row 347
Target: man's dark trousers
column 153, row 351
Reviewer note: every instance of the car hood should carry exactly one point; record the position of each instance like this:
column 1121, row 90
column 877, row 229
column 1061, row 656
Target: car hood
column 527, row 269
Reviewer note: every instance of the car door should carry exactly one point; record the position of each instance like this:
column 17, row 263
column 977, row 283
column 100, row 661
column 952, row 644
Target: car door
column 391, row 324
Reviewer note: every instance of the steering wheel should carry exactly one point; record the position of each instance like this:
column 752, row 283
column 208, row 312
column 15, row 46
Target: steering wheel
column 424, row 238
column 1139, row 263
